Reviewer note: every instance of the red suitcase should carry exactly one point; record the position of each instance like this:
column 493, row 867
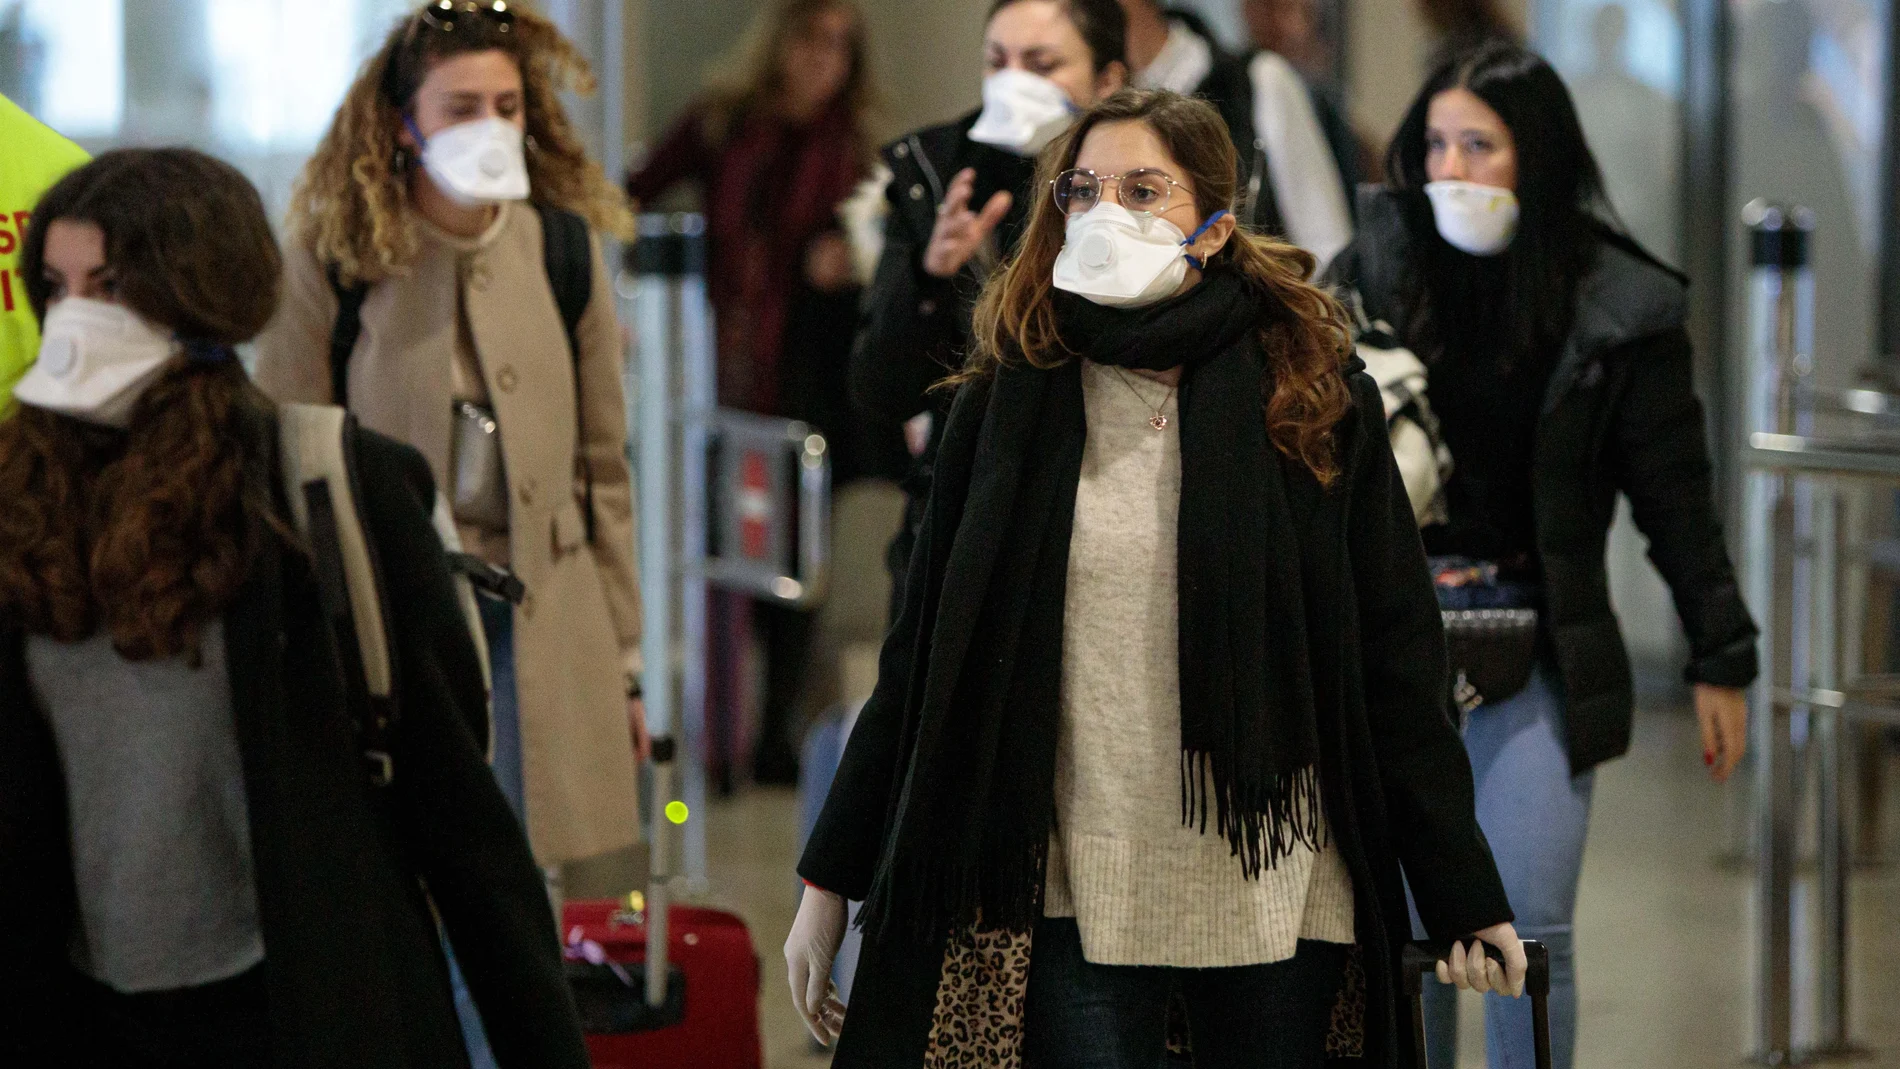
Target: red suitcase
column 718, row 1027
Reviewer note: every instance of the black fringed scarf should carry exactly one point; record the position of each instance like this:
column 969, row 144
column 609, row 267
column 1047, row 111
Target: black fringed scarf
column 985, row 619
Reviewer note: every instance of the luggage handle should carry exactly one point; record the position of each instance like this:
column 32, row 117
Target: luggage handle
column 1419, row 959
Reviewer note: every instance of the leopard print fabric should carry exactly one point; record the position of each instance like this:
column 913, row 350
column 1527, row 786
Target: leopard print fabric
column 1347, row 1036
column 984, row 987
column 980, row 999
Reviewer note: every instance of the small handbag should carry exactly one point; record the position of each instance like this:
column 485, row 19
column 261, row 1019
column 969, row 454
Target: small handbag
column 1491, row 630
column 479, row 496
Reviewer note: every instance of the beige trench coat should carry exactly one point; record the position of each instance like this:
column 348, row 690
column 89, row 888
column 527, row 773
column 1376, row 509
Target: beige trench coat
column 578, row 630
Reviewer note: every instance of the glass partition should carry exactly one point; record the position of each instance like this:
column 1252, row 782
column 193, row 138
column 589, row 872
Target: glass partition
column 1807, row 95
column 1623, row 62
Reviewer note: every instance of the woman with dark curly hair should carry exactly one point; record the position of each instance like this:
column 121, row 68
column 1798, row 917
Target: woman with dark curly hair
column 195, row 864
column 1166, row 707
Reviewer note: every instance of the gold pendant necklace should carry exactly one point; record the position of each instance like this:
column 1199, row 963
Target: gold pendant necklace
column 1157, row 421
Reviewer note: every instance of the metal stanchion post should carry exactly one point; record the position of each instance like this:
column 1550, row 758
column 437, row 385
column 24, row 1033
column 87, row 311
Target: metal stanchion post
column 1781, row 315
column 665, row 288
column 1830, row 780
column 697, row 399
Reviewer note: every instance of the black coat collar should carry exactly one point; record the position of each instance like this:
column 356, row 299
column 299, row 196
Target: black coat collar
column 1627, row 295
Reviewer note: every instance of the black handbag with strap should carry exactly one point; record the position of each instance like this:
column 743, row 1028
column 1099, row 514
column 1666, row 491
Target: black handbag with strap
column 1491, row 629
column 568, row 260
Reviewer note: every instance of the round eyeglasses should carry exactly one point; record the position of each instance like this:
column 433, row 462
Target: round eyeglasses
column 1144, row 190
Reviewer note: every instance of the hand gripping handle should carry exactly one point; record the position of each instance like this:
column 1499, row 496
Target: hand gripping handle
column 1420, row 959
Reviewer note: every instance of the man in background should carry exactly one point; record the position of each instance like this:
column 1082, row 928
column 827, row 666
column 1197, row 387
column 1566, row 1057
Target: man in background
column 1295, row 31
column 32, row 158
column 1286, row 162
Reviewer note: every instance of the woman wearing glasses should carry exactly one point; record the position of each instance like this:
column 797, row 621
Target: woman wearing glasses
column 1167, row 699
column 959, row 195
column 443, row 282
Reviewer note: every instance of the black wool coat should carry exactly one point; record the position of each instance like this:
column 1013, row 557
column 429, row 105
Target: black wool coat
column 353, row 966
column 1397, row 784
column 1620, row 416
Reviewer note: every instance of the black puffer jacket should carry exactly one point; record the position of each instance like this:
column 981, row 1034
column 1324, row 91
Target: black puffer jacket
column 1620, row 415
column 914, row 328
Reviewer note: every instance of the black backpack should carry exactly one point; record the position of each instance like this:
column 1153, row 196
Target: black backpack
column 570, row 269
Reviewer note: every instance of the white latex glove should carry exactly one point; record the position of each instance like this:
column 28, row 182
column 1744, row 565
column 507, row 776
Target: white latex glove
column 1476, row 971
column 809, row 951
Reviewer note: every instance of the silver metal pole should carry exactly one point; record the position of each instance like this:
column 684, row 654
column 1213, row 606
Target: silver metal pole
column 1830, row 780
column 697, row 401
column 1779, row 336
column 650, row 398
column 613, row 88
column 667, row 294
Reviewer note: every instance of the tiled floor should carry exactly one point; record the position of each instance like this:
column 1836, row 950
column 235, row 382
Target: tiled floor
column 1663, row 929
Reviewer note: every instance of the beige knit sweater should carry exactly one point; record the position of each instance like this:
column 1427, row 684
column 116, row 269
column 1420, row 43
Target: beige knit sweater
column 1144, row 889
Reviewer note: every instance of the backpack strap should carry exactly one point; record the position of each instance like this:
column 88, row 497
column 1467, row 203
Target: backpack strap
column 570, row 266
column 322, row 487
column 569, row 261
column 344, row 332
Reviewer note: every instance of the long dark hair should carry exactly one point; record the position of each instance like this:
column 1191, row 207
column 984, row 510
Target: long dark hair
column 1305, row 337
column 1102, row 23
column 149, row 532
column 1517, row 304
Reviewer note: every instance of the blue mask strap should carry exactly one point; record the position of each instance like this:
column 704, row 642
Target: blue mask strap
column 415, row 133
column 1196, row 236
column 205, row 352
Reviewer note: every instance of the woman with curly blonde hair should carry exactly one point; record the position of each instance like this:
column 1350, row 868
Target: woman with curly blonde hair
column 445, row 282
column 1166, row 708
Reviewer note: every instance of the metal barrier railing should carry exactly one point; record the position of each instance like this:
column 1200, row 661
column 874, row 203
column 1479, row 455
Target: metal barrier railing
column 1799, row 554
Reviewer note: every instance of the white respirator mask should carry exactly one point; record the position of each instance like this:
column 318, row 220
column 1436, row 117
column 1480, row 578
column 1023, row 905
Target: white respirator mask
column 1480, row 220
column 1022, row 112
column 477, row 163
column 96, row 360
column 1117, row 258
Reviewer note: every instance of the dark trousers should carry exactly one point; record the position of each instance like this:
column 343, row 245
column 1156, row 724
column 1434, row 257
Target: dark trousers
column 785, row 637
column 223, row 1025
column 1085, row 1016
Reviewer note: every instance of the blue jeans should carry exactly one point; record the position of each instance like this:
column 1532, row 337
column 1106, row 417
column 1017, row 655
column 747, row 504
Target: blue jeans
column 1536, row 815
column 1085, row 1016
column 498, row 624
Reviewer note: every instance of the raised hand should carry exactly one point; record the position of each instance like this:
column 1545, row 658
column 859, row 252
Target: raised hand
column 959, row 231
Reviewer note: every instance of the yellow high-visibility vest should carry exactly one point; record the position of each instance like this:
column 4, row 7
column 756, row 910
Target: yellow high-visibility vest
column 32, row 158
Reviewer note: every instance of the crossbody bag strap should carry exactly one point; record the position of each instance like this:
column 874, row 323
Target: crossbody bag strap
column 344, row 330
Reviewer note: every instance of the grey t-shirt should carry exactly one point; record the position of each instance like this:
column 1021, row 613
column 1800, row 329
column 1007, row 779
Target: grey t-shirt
column 161, row 838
